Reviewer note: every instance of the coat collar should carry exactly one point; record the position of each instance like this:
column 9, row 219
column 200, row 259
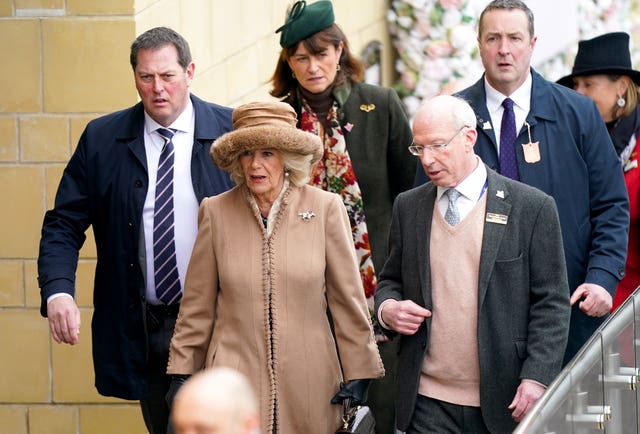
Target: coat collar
column 422, row 227
column 133, row 125
column 132, row 129
column 543, row 104
column 210, row 129
column 341, row 93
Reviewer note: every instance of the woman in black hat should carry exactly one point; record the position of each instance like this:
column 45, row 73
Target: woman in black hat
column 365, row 133
column 602, row 71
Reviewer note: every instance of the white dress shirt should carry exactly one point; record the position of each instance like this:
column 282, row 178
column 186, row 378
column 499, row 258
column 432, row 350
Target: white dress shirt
column 470, row 189
column 185, row 203
column 521, row 106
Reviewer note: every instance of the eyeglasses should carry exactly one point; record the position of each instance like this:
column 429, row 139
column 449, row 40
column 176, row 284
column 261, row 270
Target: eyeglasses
column 417, row 150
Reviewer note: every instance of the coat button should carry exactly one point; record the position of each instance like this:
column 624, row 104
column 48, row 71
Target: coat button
column 138, row 183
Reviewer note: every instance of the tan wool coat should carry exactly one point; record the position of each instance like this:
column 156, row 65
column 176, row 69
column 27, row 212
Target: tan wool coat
column 258, row 304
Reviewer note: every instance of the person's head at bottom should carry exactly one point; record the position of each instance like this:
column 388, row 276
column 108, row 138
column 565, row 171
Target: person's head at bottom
column 216, row 401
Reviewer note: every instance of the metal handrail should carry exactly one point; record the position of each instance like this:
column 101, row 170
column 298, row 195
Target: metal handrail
column 566, row 386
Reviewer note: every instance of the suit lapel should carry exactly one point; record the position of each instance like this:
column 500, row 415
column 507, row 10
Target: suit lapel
column 132, row 133
column 423, row 218
column 498, row 204
column 136, row 146
column 478, row 100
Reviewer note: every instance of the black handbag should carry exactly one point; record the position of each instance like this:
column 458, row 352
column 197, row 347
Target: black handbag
column 356, row 420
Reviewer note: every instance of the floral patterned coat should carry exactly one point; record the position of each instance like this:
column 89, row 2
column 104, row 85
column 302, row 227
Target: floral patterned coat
column 258, row 304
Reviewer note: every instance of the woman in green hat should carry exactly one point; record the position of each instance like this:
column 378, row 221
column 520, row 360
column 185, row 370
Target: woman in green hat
column 365, row 133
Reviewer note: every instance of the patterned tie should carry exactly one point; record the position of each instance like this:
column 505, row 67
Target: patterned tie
column 452, row 216
column 164, row 249
column 508, row 165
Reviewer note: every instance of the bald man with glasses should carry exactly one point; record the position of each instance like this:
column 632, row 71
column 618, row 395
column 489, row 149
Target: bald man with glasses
column 475, row 286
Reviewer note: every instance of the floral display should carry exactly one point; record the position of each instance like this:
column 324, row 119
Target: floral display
column 436, row 42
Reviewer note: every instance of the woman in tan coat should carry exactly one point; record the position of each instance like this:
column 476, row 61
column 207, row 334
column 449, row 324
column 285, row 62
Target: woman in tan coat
column 271, row 256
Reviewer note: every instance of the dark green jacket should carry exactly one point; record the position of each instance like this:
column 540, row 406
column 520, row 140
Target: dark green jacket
column 377, row 133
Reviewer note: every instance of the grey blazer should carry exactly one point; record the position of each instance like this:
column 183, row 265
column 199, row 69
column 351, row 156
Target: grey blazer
column 523, row 303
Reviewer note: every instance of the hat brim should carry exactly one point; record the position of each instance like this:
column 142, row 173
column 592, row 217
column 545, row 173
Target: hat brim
column 631, row 73
column 226, row 150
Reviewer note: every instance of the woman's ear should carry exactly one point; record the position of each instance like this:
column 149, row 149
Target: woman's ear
column 622, row 85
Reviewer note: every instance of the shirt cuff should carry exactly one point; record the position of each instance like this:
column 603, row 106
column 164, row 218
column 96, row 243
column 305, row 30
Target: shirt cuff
column 379, row 313
column 59, row 294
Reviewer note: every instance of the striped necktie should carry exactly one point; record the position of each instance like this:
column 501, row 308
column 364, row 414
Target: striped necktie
column 165, row 265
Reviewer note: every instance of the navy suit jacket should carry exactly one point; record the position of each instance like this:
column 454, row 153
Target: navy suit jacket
column 104, row 186
column 580, row 169
column 523, row 297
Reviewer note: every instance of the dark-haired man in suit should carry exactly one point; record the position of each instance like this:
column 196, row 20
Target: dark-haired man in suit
column 562, row 147
column 137, row 177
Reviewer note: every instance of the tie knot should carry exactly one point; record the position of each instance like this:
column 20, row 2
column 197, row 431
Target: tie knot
column 453, row 195
column 166, row 133
column 507, row 104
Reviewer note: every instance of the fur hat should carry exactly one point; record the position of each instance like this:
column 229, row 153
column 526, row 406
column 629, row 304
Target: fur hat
column 303, row 21
column 264, row 125
column 604, row 54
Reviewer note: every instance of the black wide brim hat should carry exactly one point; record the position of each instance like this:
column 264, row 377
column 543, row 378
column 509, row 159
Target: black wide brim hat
column 604, row 54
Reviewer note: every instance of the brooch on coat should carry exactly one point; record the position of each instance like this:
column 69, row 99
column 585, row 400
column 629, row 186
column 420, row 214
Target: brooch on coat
column 306, row 215
column 367, row 107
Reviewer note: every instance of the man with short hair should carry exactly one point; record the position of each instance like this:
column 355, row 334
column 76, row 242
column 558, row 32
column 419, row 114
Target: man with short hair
column 137, row 177
column 475, row 285
column 560, row 145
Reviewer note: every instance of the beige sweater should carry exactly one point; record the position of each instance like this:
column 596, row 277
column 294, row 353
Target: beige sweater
column 450, row 370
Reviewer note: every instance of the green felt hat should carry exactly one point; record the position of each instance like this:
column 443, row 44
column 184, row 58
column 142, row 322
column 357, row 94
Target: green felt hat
column 303, row 21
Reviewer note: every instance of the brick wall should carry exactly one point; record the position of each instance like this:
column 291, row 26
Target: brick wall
column 65, row 62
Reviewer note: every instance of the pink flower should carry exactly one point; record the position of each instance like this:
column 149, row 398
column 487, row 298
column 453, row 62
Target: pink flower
column 438, row 48
column 451, row 4
column 409, row 79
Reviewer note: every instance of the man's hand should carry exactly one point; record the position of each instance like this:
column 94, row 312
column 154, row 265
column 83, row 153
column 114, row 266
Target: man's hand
column 404, row 316
column 527, row 394
column 64, row 320
column 597, row 301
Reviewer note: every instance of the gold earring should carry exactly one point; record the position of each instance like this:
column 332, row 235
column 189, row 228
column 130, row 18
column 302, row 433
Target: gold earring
column 293, row 74
column 338, row 67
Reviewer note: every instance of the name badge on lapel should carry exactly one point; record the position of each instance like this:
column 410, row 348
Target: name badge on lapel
column 500, row 219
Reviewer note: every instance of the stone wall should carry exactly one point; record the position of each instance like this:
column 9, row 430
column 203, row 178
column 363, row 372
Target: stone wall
column 65, row 62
